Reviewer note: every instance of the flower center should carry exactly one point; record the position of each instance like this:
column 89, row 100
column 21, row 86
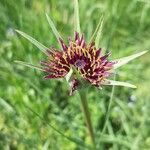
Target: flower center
column 80, row 64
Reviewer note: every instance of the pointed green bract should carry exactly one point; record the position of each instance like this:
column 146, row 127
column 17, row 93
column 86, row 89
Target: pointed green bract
column 76, row 17
column 119, row 83
column 57, row 35
column 29, row 65
column 68, row 76
column 33, row 41
column 53, row 27
column 122, row 61
column 97, row 33
column 76, row 28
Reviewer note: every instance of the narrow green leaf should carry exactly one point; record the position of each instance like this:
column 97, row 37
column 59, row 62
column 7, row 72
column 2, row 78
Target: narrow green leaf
column 29, row 65
column 125, row 60
column 33, row 41
column 53, row 27
column 97, row 33
column 119, row 83
column 76, row 17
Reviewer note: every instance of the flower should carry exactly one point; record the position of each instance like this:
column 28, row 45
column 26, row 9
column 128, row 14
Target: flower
column 83, row 58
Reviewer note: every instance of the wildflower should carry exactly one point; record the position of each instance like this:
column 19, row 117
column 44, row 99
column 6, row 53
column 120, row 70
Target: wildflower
column 86, row 60
column 78, row 62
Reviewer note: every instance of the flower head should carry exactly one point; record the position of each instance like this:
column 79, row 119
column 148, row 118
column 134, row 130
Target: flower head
column 88, row 62
column 84, row 59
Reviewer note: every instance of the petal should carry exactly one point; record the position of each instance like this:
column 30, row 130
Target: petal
column 81, row 40
column 98, row 52
column 63, row 44
column 76, row 34
column 105, row 56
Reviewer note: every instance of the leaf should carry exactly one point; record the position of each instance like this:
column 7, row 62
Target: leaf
column 97, row 33
column 125, row 60
column 118, row 83
column 33, row 41
column 53, row 27
column 29, row 65
column 76, row 17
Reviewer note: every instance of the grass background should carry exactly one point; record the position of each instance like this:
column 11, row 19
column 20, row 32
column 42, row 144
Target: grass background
column 126, row 31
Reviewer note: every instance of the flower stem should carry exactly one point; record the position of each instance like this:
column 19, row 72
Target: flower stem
column 86, row 113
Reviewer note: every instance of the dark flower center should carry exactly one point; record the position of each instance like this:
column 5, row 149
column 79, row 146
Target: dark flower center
column 80, row 64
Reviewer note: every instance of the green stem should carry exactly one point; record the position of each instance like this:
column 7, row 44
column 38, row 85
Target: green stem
column 86, row 113
column 108, row 110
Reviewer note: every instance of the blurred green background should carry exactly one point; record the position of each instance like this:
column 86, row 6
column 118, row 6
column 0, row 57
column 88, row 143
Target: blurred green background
column 23, row 91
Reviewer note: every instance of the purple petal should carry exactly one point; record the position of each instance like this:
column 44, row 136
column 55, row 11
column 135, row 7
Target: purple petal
column 76, row 36
column 63, row 44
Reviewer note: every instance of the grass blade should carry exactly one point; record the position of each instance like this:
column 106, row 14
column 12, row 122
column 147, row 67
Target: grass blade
column 6, row 106
column 29, row 65
column 33, row 41
column 125, row 60
column 119, row 140
column 76, row 17
column 53, row 27
column 71, row 139
column 119, row 83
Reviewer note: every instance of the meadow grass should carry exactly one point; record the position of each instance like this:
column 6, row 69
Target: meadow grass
column 39, row 114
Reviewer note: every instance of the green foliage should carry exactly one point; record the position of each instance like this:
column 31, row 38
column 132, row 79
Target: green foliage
column 24, row 94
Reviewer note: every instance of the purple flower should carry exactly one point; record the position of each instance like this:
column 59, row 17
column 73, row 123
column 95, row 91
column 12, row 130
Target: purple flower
column 88, row 62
